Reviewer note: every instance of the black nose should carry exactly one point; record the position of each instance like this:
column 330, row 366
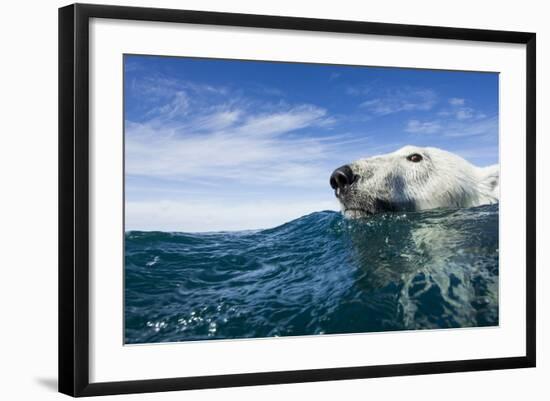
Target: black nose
column 342, row 177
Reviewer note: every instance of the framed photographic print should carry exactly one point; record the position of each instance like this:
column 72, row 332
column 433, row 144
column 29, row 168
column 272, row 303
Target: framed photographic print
column 249, row 199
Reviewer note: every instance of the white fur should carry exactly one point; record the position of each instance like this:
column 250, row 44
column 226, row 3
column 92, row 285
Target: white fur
column 440, row 180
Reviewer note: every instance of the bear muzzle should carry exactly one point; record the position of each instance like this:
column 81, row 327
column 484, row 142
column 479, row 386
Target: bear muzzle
column 341, row 179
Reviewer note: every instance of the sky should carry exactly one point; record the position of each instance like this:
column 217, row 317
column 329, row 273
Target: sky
column 223, row 145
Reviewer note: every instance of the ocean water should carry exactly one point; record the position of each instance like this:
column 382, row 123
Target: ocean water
column 319, row 274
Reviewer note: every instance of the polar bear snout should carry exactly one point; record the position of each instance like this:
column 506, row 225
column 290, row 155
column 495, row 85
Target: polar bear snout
column 342, row 178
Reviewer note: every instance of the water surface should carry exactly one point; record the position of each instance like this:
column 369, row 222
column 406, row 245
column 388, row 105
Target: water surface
column 319, row 274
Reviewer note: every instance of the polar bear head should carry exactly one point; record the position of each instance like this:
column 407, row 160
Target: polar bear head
column 413, row 178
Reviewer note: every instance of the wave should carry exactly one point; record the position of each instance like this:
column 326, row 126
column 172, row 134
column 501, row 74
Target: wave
column 319, row 274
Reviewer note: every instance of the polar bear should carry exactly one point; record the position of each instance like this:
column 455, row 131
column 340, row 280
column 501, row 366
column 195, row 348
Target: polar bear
column 413, row 178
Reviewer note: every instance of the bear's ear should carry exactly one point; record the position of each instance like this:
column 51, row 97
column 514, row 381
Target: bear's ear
column 490, row 181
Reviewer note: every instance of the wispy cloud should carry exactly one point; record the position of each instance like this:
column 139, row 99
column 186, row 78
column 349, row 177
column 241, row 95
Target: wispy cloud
column 481, row 127
column 231, row 142
column 279, row 122
column 230, row 165
column 177, row 106
column 456, row 121
column 425, row 127
column 398, row 100
column 460, row 111
column 458, row 128
column 159, row 88
column 456, row 101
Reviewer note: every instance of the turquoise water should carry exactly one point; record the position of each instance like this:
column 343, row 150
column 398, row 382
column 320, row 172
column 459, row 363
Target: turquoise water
column 319, row 274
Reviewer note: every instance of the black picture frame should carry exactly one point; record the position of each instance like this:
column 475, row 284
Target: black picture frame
column 74, row 200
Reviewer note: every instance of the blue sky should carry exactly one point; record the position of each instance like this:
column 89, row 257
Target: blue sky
column 213, row 145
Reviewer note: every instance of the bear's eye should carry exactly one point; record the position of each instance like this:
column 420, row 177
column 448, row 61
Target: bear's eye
column 415, row 158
